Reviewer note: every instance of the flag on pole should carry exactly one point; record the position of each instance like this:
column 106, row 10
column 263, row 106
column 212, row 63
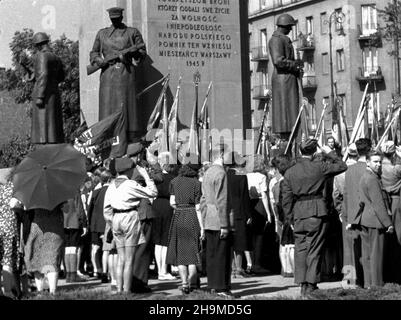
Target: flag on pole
column 374, row 135
column 204, row 125
column 173, row 122
column 193, row 144
column 105, row 139
column 157, row 111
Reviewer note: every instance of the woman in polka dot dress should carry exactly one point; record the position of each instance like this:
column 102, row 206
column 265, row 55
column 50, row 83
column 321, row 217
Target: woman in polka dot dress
column 186, row 228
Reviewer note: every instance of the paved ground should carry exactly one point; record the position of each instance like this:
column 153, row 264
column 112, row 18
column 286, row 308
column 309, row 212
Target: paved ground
column 260, row 287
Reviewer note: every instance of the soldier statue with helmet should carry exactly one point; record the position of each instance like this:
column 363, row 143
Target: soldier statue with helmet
column 47, row 116
column 285, row 90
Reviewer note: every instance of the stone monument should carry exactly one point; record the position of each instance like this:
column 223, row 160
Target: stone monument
column 182, row 37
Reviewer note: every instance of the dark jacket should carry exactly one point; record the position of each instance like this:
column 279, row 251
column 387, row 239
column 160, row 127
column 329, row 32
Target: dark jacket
column 238, row 196
column 285, row 95
column 303, row 186
column 375, row 213
column 47, row 122
column 74, row 214
column 95, row 210
column 117, row 81
column 352, row 193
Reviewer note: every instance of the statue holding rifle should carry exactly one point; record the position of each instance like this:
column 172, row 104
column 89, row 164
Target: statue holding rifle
column 117, row 51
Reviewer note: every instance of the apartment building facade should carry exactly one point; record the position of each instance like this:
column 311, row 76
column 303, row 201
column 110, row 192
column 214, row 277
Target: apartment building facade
column 359, row 55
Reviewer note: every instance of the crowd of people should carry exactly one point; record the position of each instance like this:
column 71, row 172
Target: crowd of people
column 234, row 217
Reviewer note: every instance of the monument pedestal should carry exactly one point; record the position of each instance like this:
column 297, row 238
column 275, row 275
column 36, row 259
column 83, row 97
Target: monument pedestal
column 209, row 36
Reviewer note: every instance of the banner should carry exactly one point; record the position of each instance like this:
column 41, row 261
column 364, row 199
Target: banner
column 105, row 139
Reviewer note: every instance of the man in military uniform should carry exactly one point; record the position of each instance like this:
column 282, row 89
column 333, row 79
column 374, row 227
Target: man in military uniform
column 305, row 208
column 285, row 95
column 47, row 115
column 117, row 49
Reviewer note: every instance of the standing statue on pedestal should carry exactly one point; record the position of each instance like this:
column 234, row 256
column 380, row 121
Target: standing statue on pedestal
column 285, row 97
column 47, row 115
column 116, row 51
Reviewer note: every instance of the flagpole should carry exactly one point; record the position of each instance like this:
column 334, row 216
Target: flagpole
column 206, row 98
column 262, row 125
column 325, row 104
column 294, row 129
column 152, row 85
column 387, row 131
column 197, row 80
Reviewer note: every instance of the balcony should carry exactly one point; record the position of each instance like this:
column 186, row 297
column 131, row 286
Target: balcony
column 370, row 76
column 370, row 38
column 309, row 83
column 261, row 92
column 260, row 54
column 306, row 43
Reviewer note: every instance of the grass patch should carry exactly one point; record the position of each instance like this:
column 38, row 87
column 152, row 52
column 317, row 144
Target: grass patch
column 388, row 292
column 88, row 294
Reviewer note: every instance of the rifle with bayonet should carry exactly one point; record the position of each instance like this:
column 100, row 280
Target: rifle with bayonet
column 90, row 69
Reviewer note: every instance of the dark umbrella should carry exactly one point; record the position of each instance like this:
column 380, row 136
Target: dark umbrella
column 49, row 176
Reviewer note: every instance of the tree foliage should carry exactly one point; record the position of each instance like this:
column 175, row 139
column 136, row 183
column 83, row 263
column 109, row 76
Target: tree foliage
column 391, row 16
column 17, row 79
column 13, row 151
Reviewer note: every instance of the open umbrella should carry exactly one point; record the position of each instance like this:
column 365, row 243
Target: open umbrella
column 49, row 176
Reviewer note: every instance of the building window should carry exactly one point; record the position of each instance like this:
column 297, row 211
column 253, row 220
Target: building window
column 370, row 61
column 325, row 63
column 295, row 31
column 309, row 25
column 340, row 60
column 263, row 41
column 369, row 19
column 324, row 26
column 339, row 22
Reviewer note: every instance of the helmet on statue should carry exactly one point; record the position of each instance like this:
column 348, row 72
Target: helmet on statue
column 40, row 38
column 285, row 20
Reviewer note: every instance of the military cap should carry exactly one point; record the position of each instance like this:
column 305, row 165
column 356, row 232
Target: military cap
column 352, row 151
column 40, row 37
column 285, row 20
column 115, row 12
column 388, row 147
column 123, row 164
column 309, row 146
column 134, row 149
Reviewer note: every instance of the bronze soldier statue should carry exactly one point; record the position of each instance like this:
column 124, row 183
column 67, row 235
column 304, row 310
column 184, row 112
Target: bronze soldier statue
column 116, row 51
column 285, row 96
column 47, row 116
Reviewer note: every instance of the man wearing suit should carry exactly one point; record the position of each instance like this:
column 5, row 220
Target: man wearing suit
column 305, row 208
column 215, row 216
column 352, row 269
column 375, row 221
